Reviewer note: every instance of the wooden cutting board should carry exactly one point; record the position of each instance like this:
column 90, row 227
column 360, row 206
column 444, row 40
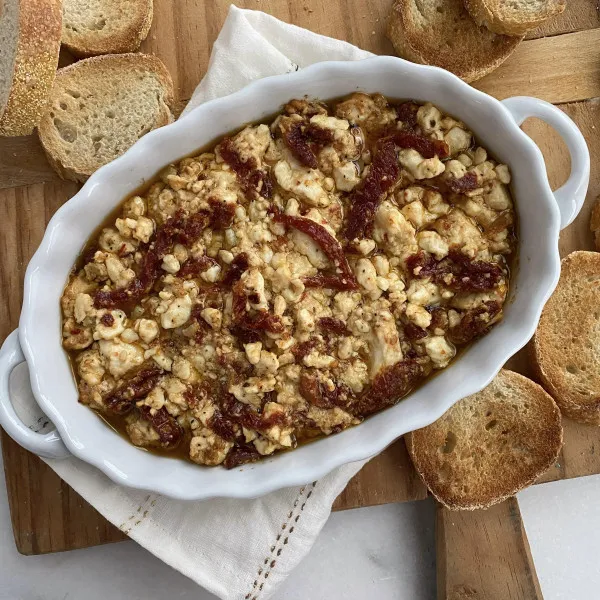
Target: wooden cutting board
column 560, row 63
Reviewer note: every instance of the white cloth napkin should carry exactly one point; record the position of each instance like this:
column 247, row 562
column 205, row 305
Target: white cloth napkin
column 237, row 549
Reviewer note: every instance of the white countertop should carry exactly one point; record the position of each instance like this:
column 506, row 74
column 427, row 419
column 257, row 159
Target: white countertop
column 386, row 552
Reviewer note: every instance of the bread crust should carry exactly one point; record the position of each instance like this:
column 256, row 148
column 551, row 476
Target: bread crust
column 490, row 14
column 471, row 52
column 127, row 39
column 494, row 431
column 563, row 342
column 36, row 59
column 100, row 64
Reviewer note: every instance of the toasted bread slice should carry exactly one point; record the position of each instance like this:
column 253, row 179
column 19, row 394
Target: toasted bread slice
column 489, row 445
column 513, row 18
column 595, row 223
column 566, row 345
column 30, row 33
column 105, row 26
column 100, row 107
column 442, row 33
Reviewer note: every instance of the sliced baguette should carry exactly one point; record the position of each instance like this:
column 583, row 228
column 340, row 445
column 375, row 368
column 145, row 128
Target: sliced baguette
column 100, row 107
column 442, row 33
column 513, row 18
column 30, row 33
column 489, row 445
column 566, row 345
column 105, row 26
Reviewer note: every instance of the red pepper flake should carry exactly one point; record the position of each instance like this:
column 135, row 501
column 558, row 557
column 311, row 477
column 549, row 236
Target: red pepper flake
column 365, row 199
column 121, row 400
column 390, row 385
column 304, row 140
column 333, row 325
column 169, row 431
column 474, row 323
column 194, row 266
column 330, row 246
column 426, row 147
column 463, row 184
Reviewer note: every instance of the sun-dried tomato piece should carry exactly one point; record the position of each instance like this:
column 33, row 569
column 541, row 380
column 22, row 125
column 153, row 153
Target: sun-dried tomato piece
column 474, row 323
column 457, row 271
column 463, row 184
column 318, row 393
column 365, row 198
column 192, row 267
column 261, row 181
column 330, row 246
column 390, row 385
column 426, row 147
column 169, row 431
column 333, row 282
column 245, row 415
column 304, row 140
column 107, row 319
column 262, row 321
column 414, row 332
column 221, row 213
column 303, row 349
column 236, row 268
column 231, row 156
column 178, row 229
column 121, row 400
column 439, row 318
column 333, row 325
column 111, row 298
column 423, row 265
column 472, row 275
column 223, row 426
column 251, row 178
column 241, row 455
column 258, row 321
column 407, row 113
column 88, row 255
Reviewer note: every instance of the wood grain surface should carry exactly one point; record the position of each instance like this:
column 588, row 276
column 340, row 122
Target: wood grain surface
column 49, row 516
column 484, row 555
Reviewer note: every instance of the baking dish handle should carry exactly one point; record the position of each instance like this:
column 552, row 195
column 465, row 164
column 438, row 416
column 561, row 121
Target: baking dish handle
column 571, row 196
column 48, row 445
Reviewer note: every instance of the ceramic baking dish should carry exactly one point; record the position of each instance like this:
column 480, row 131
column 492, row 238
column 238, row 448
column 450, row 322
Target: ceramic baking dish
column 541, row 215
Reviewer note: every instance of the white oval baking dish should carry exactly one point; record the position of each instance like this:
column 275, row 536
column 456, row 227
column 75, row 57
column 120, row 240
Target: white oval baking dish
column 496, row 124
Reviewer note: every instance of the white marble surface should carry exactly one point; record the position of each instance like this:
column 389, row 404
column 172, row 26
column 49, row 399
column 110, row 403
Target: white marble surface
column 385, row 553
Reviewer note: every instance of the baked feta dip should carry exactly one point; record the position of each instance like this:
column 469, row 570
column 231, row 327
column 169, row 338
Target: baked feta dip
column 295, row 278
